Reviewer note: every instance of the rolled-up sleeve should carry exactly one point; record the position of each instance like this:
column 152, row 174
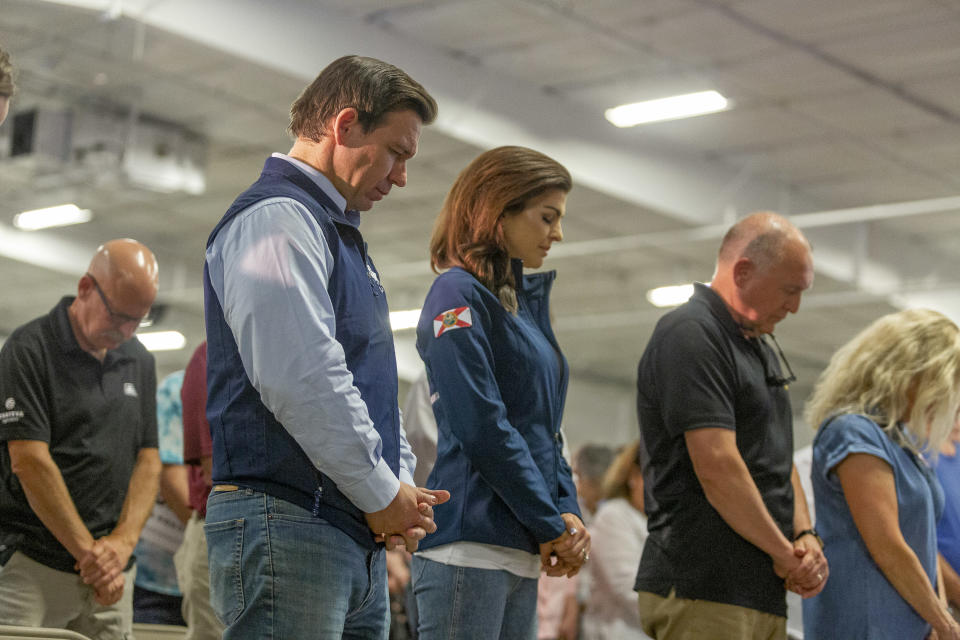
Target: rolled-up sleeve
column 270, row 267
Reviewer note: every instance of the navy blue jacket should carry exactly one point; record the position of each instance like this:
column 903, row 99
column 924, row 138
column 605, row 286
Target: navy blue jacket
column 500, row 382
column 250, row 447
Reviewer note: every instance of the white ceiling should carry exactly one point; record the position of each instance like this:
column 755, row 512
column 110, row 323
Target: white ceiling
column 843, row 107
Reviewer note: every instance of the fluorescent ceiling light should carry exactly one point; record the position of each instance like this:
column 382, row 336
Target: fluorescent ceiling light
column 58, row 216
column 162, row 340
column 670, row 296
column 672, row 108
column 407, row 319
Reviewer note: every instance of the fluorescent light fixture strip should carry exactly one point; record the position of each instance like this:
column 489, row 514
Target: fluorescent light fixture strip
column 58, row 216
column 670, row 296
column 406, row 319
column 672, row 108
column 162, row 340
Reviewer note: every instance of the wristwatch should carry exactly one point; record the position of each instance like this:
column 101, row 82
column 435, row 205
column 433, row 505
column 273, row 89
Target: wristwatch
column 810, row 532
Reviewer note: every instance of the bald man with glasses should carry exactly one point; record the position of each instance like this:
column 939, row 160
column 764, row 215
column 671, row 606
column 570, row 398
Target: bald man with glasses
column 79, row 465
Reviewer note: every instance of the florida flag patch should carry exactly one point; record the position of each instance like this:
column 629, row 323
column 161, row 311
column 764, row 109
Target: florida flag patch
column 452, row 319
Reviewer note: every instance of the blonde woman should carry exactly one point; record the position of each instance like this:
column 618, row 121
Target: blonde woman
column 886, row 396
column 618, row 532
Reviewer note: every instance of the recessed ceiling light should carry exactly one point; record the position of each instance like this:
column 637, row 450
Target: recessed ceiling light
column 670, row 296
column 58, row 216
column 672, row 108
column 406, row 319
column 162, row 340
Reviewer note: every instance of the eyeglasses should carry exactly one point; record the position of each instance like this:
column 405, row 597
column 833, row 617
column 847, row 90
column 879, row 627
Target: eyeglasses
column 117, row 317
column 772, row 378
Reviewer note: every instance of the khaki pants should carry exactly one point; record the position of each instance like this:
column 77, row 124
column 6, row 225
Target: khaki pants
column 674, row 618
column 34, row 595
column 193, row 575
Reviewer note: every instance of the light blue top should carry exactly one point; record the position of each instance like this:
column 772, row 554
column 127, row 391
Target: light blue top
column 948, row 529
column 163, row 532
column 313, row 398
column 858, row 602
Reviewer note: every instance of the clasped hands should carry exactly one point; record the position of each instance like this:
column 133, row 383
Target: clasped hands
column 408, row 518
column 807, row 574
column 102, row 567
column 565, row 555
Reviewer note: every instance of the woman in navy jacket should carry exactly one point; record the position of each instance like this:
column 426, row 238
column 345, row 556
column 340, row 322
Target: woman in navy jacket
column 498, row 382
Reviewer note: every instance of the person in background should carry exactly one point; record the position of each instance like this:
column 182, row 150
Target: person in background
column 190, row 560
column 421, row 428
column 590, row 464
column 558, row 603
column 7, row 85
column 499, row 380
column 79, row 466
column 889, row 394
column 156, row 595
column 947, row 466
column 619, row 532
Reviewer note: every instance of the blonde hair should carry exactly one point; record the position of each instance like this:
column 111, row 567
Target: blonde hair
column 615, row 480
column 905, row 361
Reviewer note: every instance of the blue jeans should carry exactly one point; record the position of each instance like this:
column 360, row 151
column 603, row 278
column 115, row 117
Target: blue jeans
column 462, row 603
column 279, row 572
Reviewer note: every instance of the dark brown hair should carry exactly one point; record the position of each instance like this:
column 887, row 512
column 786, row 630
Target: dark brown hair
column 468, row 232
column 373, row 87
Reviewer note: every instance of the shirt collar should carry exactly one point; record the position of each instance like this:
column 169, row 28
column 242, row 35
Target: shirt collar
column 351, row 217
column 718, row 308
column 60, row 316
column 61, row 324
column 532, row 283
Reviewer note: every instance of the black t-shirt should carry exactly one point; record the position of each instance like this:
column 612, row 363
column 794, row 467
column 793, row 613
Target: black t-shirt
column 699, row 371
column 95, row 416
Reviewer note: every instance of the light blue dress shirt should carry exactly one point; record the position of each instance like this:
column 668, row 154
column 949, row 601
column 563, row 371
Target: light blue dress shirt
column 286, row 339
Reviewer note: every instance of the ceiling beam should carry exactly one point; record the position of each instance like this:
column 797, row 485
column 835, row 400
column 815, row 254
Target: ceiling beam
column 489, row 108
column 478, row 105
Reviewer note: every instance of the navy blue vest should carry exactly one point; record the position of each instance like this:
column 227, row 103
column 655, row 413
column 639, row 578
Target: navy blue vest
column 250, row 448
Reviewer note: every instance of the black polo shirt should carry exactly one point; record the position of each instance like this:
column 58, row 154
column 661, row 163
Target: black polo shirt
column 699, row 371
column 95, row 416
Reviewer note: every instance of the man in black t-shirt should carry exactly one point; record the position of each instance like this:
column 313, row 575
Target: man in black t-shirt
column 726, row 534
column 79, row 466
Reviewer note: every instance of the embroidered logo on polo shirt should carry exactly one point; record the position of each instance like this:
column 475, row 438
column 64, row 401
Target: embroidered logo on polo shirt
column 130, row 390
column 10, row 415
column 451, row 319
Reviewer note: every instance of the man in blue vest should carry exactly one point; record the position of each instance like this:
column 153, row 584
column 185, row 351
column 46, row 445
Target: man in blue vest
column 311, row 469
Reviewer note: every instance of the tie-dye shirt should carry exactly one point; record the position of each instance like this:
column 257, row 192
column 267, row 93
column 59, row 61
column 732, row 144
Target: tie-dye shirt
column 163, row 532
